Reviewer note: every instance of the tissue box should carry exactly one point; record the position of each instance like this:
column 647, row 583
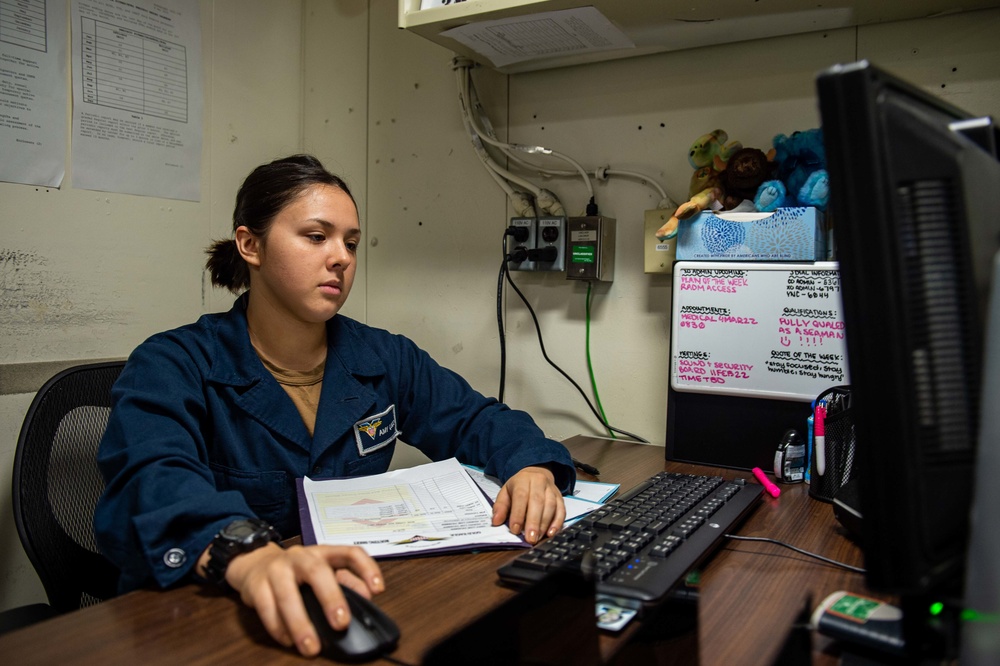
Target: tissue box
column 787, row 234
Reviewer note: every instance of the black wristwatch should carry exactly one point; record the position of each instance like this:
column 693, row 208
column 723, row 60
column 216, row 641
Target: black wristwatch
column 238, row 537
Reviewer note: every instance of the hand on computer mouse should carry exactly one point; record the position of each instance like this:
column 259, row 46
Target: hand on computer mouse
column 268, row 580
column 369, row 634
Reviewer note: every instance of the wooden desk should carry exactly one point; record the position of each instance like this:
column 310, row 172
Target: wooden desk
column 751, row 593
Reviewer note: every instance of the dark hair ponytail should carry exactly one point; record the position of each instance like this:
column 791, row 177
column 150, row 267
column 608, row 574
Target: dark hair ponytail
column 227, row 267
column 267, row 190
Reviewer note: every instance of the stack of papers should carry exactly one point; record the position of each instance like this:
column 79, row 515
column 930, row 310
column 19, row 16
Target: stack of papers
column 437, row 507
column 587, row 496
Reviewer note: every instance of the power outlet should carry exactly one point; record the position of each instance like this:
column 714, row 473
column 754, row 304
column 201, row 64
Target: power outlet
column 552, row 234
column 658, row 255
column 524, row 238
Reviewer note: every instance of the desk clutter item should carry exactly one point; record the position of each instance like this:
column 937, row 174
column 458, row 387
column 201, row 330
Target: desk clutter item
column 786, row 234
column 639, row 546
column 834, row 460
column 861, row 621
column 790, row 458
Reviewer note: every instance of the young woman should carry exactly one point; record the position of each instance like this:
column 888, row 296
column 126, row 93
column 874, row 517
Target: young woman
column 213, row 422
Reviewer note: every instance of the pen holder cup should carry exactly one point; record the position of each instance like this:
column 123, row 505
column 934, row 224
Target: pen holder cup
column 841, row 464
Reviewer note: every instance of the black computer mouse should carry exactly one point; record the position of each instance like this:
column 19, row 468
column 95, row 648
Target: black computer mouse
column 370, row 634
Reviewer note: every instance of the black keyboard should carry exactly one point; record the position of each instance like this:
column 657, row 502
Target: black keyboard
column 639, row 546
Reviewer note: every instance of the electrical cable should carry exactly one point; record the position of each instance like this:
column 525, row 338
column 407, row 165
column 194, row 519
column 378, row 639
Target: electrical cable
column 849, row 567
column 500, row 328
column 599, row 174
column 503, row 178
column 398, row 662
column 478, row 124
column 638, row 176
column 590, row 365
column 468, row 91
column 541, row 345
column 480, row 129
column 503, row 339
column 468, row 119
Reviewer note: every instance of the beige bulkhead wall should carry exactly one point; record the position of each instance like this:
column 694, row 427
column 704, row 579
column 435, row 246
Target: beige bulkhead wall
column 379, row 106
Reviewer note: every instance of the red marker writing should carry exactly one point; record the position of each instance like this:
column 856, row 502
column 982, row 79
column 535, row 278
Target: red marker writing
column 766, row 482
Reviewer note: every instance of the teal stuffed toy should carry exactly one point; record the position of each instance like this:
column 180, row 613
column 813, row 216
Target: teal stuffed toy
column 801, row 178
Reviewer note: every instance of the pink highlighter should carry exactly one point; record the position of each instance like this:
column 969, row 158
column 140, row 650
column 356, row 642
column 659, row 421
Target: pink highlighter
column 766, row 482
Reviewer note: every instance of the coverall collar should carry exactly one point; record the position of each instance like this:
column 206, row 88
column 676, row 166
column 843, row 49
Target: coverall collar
column 343, row 401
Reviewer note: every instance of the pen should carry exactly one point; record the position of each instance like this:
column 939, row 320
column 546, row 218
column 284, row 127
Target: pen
column 584, row 467
column 809, row 446
column 819, row 437
column 766, row 482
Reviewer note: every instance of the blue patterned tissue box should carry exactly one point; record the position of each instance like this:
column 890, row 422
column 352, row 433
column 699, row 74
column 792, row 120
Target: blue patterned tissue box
column 787, row 234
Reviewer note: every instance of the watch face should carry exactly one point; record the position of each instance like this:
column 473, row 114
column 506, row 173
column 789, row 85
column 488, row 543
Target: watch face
column 239, row 536
column 241, row 530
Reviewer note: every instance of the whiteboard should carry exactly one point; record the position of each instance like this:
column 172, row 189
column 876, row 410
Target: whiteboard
column 766, row 330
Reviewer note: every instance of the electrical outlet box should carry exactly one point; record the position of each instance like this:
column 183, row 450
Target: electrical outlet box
column 525, row 239
column 658, row 254
column 551, row 232
column 590, row 253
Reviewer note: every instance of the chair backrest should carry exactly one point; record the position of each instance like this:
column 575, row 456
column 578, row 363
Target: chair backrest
column 56, row 485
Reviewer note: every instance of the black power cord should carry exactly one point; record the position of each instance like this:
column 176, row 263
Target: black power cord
column 842, row 565
column 518, row 255
column 505, row 272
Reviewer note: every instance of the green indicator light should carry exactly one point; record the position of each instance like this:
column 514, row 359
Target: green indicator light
column 936, row 608
column 583, row 254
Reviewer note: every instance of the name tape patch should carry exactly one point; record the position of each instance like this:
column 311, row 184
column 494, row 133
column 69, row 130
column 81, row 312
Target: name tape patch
column 374, row 432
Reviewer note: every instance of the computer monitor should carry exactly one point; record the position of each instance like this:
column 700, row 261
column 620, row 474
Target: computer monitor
column 915, row 207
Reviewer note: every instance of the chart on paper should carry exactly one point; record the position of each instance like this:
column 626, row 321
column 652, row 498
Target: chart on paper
column 438, row 504
column 23, row 23
column 125, row 69
column 434, row 507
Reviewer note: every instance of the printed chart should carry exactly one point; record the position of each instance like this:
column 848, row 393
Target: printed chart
column 127, row 70
column 433, row 507
column 22, row 23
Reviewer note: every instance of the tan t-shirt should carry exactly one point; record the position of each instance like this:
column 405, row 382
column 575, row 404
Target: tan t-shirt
column 302, row 387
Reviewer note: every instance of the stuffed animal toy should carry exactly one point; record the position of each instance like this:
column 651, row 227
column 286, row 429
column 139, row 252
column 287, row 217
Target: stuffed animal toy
column 745, row 172
column 708, row 156
column 800, row 176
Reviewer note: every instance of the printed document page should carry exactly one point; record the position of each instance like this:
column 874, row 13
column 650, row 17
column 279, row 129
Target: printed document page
column 137, row 97
column 588, row 496
column 432, row 507
column 33, row 106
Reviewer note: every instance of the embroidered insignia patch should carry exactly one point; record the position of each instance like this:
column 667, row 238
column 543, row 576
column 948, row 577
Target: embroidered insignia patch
column 374, row 432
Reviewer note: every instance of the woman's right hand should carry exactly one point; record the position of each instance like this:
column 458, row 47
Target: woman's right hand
column 267, row 580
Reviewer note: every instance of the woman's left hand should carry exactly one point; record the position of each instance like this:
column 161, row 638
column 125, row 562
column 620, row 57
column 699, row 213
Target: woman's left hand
column 530, row 502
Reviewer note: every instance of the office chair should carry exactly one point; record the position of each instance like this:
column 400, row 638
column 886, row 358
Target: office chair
column 56, row 485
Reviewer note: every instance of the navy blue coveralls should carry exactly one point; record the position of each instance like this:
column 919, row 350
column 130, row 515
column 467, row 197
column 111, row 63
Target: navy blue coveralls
column 201, row 434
